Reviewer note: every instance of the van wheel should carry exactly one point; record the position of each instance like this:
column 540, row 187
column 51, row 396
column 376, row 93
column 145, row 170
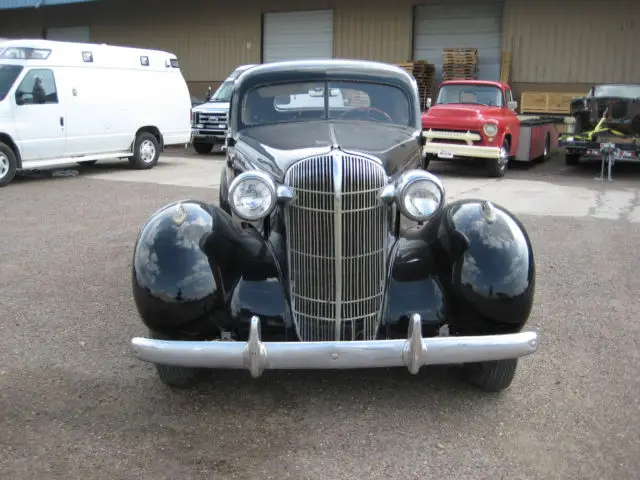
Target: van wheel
column 202, row 148
column 145, row 151
column 8, row 164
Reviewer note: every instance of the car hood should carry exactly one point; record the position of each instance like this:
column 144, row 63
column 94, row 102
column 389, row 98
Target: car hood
column 212, row 107
column 443, row 115
column 274, row 148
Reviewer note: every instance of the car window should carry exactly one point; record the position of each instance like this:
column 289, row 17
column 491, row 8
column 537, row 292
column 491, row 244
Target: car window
column 37, row 87
column 509, row 95
column 296, row 102
column 470, row 94
column 8, row 75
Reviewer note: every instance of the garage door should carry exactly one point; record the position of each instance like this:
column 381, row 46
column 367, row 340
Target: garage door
column 460, row 24
column 297, row 35
column 69, row 34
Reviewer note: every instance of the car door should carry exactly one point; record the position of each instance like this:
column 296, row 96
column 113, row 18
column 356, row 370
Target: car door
column 39, row 117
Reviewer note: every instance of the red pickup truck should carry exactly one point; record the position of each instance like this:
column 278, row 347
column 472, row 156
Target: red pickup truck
column 477, row 119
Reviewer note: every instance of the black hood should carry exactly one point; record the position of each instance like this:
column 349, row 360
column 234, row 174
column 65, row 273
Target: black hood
column 275, row 148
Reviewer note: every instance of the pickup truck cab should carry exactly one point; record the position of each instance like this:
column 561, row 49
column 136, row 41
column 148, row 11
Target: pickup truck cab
column 477, row 119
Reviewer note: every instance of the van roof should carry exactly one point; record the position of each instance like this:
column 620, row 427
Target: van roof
column 57, row 53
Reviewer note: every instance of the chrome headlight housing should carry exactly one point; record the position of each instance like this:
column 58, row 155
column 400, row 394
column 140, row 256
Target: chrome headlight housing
column 419, row 195
column 252, row 195
column 490, row 129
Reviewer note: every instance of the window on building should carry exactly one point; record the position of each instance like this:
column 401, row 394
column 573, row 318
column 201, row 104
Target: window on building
column 37, row 87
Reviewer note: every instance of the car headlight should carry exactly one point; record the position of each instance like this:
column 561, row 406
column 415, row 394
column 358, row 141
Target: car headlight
column 419, row 195
column 252, row 195
column 490, row 129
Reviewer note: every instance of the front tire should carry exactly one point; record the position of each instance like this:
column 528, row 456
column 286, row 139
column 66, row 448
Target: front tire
column 8, row 164
column 174, row 376
column 497, row 167
column 493, row 376
column 146, row 151
column 202, row 148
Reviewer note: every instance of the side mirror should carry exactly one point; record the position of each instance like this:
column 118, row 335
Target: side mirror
column 230, row 142
column 428, row 102
column 20, row 97
column 512, row 105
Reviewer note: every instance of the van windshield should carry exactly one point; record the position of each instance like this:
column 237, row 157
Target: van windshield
column 8, row 75
column 223, row 93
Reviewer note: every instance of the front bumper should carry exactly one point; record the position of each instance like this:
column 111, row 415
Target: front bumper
column 412, row 353
column 452, row 150
column 208, row 136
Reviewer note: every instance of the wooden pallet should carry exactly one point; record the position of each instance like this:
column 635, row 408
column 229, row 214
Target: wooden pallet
column 555, row 103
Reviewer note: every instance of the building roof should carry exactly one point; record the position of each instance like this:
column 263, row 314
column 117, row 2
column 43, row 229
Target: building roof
column 15, row 4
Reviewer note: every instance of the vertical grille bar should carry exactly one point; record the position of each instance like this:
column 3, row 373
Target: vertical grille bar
column 336, row 240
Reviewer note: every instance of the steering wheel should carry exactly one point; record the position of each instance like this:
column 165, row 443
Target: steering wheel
column 382, row 113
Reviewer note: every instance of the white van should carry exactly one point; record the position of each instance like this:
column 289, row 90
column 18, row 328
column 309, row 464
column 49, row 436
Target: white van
column 63, row 103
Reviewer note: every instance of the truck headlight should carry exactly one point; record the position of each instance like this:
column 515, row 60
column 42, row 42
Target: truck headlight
column 419, row 195
column 490, row 129
column 252, row 195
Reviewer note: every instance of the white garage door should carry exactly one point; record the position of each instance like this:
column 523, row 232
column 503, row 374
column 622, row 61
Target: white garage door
column 297, row 35
column 460, row 24
column 69, row 34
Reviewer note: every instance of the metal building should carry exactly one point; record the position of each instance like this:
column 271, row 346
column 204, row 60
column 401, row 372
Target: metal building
column 558, row 45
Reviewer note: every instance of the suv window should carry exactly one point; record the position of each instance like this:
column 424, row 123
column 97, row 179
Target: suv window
column 37, row 87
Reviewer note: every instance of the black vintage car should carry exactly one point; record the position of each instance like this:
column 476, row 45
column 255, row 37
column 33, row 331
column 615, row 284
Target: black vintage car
column 307, row 261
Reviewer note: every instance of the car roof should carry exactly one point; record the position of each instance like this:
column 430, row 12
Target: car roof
column 314, row 70
column 484, row 83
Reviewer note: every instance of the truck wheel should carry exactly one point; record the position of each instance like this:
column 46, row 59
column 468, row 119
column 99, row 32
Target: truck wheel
column 8, row 164
column 146, row 151
column 572, row 159
column 173, row 376
column 493, row 376
column 202, row 148
column 496, row 167
column 546, row 155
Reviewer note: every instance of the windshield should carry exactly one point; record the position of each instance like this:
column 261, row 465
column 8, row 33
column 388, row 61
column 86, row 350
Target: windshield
column 8, row 75
column 624, row 91
column 302, row 102
column 470, row 94
column 223, row 93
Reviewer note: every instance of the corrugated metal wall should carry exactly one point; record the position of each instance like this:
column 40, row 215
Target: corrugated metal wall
column 573, row 41
column 552, row 41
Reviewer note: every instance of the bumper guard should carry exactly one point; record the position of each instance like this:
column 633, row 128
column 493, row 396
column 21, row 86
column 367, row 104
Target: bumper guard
column 445, row 150
column 412, row 353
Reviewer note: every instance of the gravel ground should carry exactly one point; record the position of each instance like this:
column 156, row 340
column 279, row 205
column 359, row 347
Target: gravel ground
column 74, row 403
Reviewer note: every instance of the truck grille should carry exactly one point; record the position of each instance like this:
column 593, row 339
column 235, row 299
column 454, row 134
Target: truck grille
column 336, row 240
column 211, row 119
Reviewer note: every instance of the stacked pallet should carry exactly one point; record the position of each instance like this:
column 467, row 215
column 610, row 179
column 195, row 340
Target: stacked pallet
column 459, row 63
column 424, row 73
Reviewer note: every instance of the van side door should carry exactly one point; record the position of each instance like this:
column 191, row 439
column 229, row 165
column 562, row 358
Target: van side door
column 39, row 117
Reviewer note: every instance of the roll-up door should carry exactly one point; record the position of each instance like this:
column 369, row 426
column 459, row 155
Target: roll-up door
column 297, row 35
column 69, row 34
column 460, row 24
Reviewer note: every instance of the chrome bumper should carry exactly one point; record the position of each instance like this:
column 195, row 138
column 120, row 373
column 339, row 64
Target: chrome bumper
column 459, row 150
column 412, row 353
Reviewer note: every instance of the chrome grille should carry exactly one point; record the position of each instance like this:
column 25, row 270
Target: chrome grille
column 336, row 240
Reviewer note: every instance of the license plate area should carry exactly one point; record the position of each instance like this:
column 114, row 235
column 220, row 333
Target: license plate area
column 445, row 154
